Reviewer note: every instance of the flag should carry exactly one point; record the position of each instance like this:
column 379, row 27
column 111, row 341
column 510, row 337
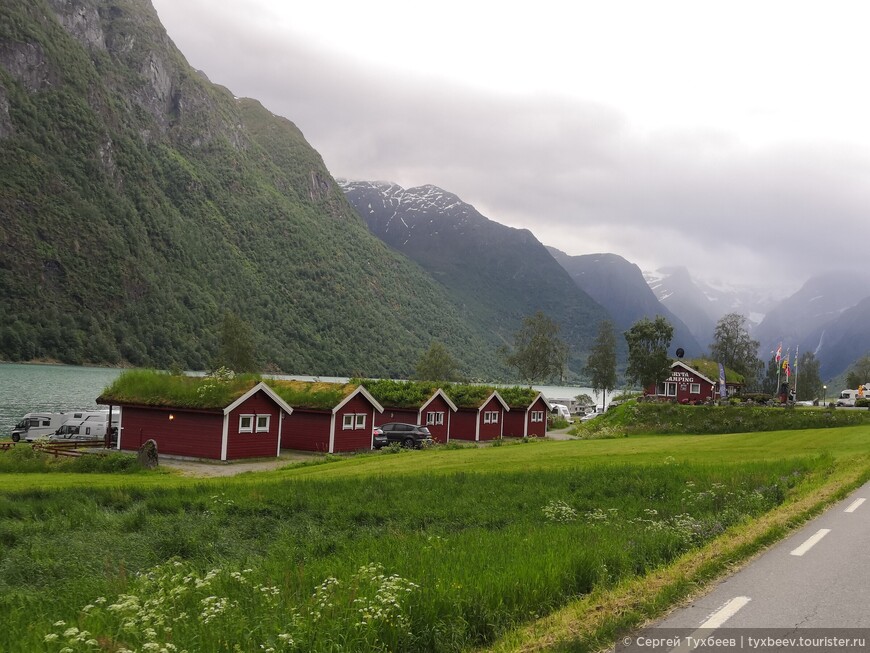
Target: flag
column 785, row 367
column 779, row 353
column 723, row 392
column 796, row 353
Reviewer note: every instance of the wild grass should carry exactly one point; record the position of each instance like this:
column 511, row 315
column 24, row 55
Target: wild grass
column 416, row 561
column 664, row 418
column 24, row 459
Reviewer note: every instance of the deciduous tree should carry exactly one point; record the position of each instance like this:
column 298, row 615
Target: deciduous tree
column 436, row 364
column 648, row 360
column 236, row 348
column 538, row 354
column 734, row 347
column 601, row 364
column 806, row 377
column 859, row 373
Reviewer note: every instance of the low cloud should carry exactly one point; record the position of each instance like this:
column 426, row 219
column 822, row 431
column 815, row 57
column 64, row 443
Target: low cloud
column 575, row 173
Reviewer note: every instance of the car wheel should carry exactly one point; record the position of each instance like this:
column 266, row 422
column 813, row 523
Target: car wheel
column 15, row 437
column 408, row 443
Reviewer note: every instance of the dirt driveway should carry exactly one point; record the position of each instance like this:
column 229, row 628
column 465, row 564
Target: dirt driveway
column 211, row 468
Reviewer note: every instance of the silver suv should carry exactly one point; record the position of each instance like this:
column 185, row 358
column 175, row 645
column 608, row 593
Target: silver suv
column 408, row 435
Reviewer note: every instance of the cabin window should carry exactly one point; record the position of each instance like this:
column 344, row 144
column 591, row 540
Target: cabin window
column 490, row 417
column 671, row 389
column 695, row 388
column 246, row 423
column 263, row 423
column 434, row 418
column 347, row 421
column 537, row 415
column 360, row 421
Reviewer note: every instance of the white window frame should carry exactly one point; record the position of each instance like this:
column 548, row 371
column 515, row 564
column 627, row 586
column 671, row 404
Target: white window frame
column 435, row 418
column 250, row 427
column 359, row 421
column 262, row 429
column 670, row 389
column 537, row 416
column 347, row 422
column 695, row 388
column 490, row 417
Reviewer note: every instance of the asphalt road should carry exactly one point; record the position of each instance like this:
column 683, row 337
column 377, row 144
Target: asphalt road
column 816, row 582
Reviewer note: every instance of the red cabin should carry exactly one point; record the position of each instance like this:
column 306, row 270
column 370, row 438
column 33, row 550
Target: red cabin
column 686, row 385
column 527, row 420
column 250, row 427
column 345, row 426
column 479, row 420
column 436, row 414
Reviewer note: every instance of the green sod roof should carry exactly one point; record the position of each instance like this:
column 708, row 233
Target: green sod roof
column 518, row 396
column 400, row 394
column 710, row 369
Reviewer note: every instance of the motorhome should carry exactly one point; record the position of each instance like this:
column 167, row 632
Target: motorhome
column 34, row 426
column 92, row 427
column 849, row 397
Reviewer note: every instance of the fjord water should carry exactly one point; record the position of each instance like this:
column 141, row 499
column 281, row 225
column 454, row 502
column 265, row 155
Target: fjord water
column 64, row 388
column 54, row 388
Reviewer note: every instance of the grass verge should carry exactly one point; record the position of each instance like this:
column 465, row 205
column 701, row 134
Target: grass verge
column 594, row 622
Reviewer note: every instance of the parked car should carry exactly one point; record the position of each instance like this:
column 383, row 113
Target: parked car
column 378, row 438
column 408, row 435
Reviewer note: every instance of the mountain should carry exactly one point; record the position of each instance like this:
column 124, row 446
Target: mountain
column 839, row 343
column 619, row 286
column 140, row 203
column 495, row 274
column 701, row 305
column 827, row 315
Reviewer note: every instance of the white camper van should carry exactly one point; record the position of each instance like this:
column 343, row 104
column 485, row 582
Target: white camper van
column 34, row 426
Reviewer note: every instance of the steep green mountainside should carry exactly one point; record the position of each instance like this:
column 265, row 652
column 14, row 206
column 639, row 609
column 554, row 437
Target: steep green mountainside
column 139, row 203
column 496, row 275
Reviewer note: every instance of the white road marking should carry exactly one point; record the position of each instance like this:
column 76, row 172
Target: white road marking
column 810, row 543
column 713, row 622
column 855, row 505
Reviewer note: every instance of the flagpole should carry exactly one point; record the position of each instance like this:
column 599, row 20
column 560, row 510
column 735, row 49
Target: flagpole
column 797, row 352
column 777, row 358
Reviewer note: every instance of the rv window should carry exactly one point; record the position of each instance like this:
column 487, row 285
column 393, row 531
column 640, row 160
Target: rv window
column 45, row 422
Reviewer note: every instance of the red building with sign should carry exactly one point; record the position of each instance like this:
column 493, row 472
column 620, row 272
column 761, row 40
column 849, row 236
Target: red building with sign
column 686, row 385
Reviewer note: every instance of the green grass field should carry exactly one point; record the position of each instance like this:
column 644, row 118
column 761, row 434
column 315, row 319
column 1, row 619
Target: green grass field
column 442, row 550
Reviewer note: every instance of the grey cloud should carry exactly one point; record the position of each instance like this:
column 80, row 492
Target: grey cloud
column 562, row 168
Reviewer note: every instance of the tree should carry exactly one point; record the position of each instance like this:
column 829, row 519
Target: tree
column 236, row 346
column 539, row 354
column 436, row 364
column 806, row 378
column 601, row 364
column 859, row 373
column 648, row 360
column 734, row 347
column 770, row 377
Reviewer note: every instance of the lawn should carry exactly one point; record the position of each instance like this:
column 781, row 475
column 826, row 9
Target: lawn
column 433, row 550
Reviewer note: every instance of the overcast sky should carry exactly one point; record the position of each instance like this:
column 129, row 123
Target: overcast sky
column 729, row 137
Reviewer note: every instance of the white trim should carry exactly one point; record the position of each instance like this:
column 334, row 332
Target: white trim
column 268, row 417
column 280, row 429
column 477, row 425
column 356, row 425
column 250, row 393
column 344, row 421
column 120, row 417
column 365, row 393
column 692, row 370
column 225, row 436
column 372, row 443
column 439, row 391
column 692, row 387
column 448, row 428
column 331, row 432
column 249, row 429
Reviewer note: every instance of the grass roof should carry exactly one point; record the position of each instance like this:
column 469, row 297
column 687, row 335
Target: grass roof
column 518, row 396
column 467, row 395
column 318, row 395
column 710, row 369
column 153, row 388
column 400, row 394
